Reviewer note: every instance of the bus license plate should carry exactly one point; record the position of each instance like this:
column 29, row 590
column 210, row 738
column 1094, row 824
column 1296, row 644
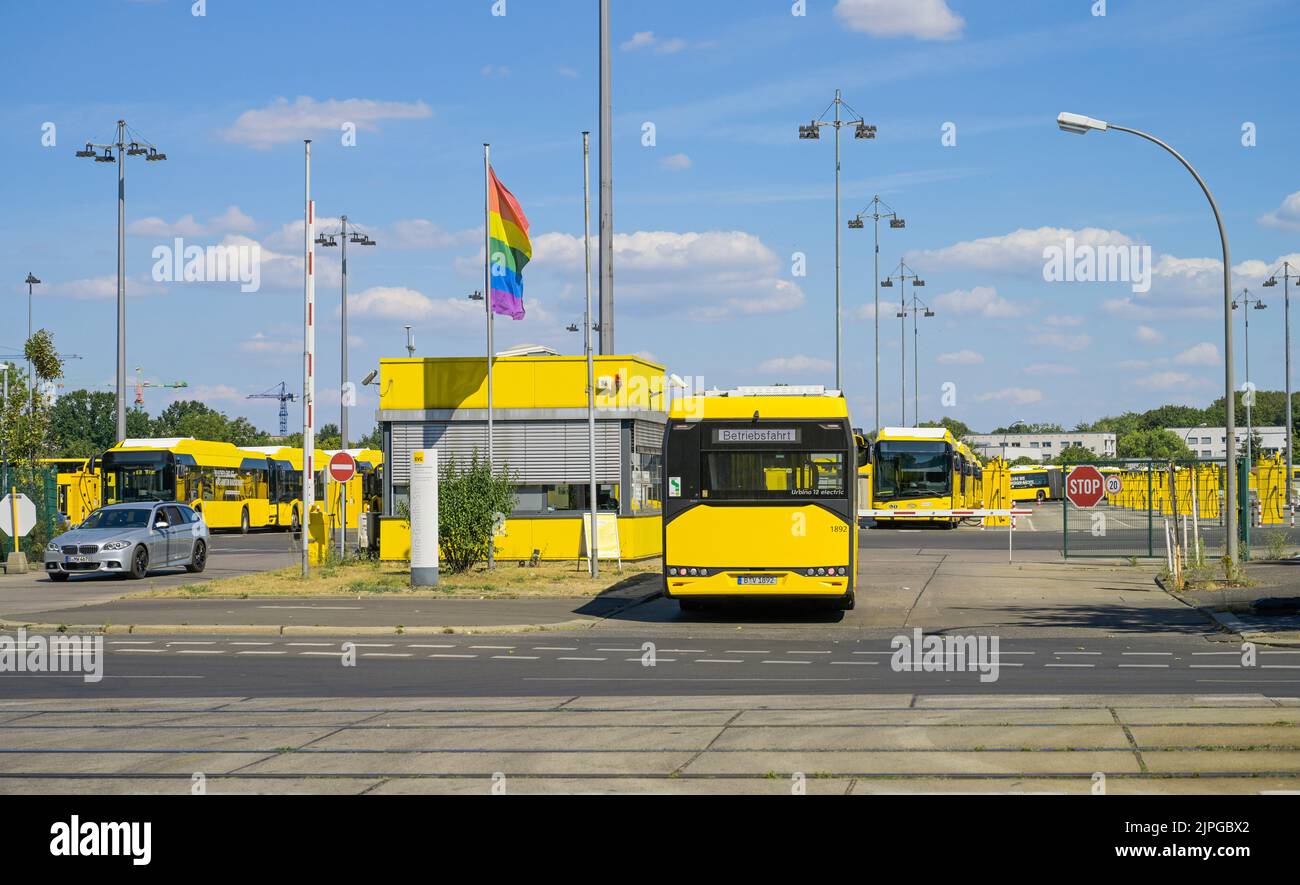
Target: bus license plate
column 756, row 579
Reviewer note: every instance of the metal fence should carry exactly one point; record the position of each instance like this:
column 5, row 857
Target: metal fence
column 1160, row 500
column 42, row 487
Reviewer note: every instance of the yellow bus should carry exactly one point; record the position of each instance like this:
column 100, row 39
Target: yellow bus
column 924, row 468
column 760, row 497
column 78, row 484
column 232, row 488
column 1038, row 484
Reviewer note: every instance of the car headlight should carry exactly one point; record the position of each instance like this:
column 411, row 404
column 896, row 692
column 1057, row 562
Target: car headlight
column 52, row 547
column 117, row 545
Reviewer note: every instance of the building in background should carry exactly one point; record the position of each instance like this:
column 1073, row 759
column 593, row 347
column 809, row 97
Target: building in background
column 1040, row 446
column 1212, row 442
column 540, row 435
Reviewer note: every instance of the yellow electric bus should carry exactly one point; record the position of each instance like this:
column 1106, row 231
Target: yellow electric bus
column 1039, row 484
column 760, row 496
column 78, row 486
column 924, row 468
column 232, row 488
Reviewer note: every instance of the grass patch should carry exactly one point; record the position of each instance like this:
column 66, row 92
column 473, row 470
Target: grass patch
column 359, row 578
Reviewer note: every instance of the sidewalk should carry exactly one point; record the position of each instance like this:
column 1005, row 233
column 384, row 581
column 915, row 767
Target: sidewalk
column 1267, row 612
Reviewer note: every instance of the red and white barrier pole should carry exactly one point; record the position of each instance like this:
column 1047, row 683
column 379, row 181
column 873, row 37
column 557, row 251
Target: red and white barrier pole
column 308, row 369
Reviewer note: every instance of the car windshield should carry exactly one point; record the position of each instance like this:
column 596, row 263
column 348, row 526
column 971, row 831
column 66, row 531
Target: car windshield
column 122, row 518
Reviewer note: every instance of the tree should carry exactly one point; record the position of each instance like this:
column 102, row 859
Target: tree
column 1031, row 428
column 471, row 502
column 958, row 429
column 83, row 423
column 26, row 431
column 329, row 437
column 1023, row 460
column 1173, row 416
column 1156, row 444
column 1072, row 455
column 372, row 440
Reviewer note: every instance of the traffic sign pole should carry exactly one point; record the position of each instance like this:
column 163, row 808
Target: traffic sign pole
column 13, row 503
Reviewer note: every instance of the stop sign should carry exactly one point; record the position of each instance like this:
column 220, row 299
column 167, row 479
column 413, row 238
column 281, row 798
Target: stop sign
column 342, row 467
column 1085, row 486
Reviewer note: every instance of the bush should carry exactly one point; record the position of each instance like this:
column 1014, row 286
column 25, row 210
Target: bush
column 472, row 501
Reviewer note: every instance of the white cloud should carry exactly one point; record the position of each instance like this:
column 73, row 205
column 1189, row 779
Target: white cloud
column 495, row 72
column 420, row 233
column 567, row 72
column 1165, row 381
column 1203, row 354
column 960, row 358
column 261, row 343
column 412, row 306
column 1286, row 216
column 1149, row 335
column 982, row 300
column 94, row 288
column 1063, row 322
column 923, row 19
column 708, row 275
column 282, row 121
column 676, row 162
column 796, row 364
column 1051, row 369
column 1019, row 395
column 233, row 220
column 1019, row 252
column 648, row 40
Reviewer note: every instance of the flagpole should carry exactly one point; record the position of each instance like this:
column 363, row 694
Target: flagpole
column 591, row 370
column 487, row 304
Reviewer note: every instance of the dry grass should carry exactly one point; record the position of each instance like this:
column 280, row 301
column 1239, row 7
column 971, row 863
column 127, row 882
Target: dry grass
column 368, row 578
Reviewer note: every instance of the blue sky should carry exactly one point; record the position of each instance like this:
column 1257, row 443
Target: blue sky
column 708, row 217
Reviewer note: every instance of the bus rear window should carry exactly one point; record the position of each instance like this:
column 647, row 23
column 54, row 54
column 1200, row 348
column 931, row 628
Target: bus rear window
column 767, row 474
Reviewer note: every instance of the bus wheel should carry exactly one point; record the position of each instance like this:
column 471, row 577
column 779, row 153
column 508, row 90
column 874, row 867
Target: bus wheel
column 243, row 522
column 690, row 605
column 200, row 560
column 850, row 602
column 140, row 563
column 294, row 525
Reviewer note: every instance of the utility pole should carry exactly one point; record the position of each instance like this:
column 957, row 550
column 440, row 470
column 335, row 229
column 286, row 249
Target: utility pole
column 30, row 281
column 592, row 556
column 1246, row 303
column 136, row 147
column 1290, row 427
column 812, row 132
column 308, row 370
column 903, row 273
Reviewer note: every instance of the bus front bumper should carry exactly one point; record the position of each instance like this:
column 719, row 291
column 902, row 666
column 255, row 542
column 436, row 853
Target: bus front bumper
column 767, row 584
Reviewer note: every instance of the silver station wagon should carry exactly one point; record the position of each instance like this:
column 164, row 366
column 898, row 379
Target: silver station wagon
column 130, row 539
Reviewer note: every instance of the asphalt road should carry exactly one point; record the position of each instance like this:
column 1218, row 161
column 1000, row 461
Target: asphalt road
column 567, row 663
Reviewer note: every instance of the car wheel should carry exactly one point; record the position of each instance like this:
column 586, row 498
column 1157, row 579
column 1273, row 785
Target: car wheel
column 58, row 576
column 243, row 522
column 200, row 559
column 140, row 563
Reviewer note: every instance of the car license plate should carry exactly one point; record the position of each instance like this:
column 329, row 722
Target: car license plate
column 76, row 559
column 756, row 579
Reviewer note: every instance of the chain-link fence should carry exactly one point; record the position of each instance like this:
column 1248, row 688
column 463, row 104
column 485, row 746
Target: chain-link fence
column 41, row 486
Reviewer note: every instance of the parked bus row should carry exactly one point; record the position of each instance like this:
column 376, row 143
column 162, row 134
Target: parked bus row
column 232, row 487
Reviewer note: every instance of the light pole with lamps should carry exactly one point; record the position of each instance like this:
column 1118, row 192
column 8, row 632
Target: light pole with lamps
column 917, row 306
column 903, row 273
column 1078, row 124
column 812, row 131
column 1247, row 304
column 1287, row 276
column 895, row 223
column 138, row 146
column 30, row 281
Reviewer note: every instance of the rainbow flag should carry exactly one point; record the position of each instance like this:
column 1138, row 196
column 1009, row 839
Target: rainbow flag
column 509, row 249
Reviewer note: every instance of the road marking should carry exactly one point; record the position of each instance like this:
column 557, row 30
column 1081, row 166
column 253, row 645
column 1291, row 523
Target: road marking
column 745, row 651
column 620, row 649
column 658, row 660
column 434, row 645
column 1215, row 666
column 372, row 645
column 320, row 608
column 514, row 657
column 200, row 651
column 580, row 659
column 311, row 644
column 1064, row 653
column 453, row 656
column 385, row 654
column 858, row 663
column 558, row 648
column 139, row 651
column 1148, row 654
column 1070, row 665
column 131, row 641
column 195, row 642
column 787, row 662
column 681, row 651
column 323, row 654
column 807, row 652
column 261, row 652
column 1280, row 666
column 493, row 647
column 1203, row 654
column 718, row 661
column 1155, row 666
column 252, row 643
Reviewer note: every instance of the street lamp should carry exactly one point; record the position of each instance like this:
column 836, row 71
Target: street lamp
column 1287, row 276
column 904, row 273
column 358, row 238
column 137, row 146
column 30, row 281
column 1081, row 125
column 1245, row 303
column 1013, row 424
column 812, row 132
column 895, row 223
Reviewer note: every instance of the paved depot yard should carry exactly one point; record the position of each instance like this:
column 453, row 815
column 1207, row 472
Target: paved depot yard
column 1104, row 673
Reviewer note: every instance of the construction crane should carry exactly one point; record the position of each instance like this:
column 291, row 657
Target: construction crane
column 141, row 384
column 280, row 392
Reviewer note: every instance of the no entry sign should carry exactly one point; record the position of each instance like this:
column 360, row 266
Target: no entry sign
column 1085, row 486
column 342, row 467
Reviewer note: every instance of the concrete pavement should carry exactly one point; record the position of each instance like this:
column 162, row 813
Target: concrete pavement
column 773, row 744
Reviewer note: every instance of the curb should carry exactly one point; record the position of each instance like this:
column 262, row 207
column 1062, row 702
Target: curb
column 1233, row 624
column 292, row 629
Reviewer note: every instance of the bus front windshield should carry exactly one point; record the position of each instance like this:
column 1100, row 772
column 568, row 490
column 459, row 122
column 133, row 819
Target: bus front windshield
column 754, row 474
column 912, row 469
column 138, row 476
